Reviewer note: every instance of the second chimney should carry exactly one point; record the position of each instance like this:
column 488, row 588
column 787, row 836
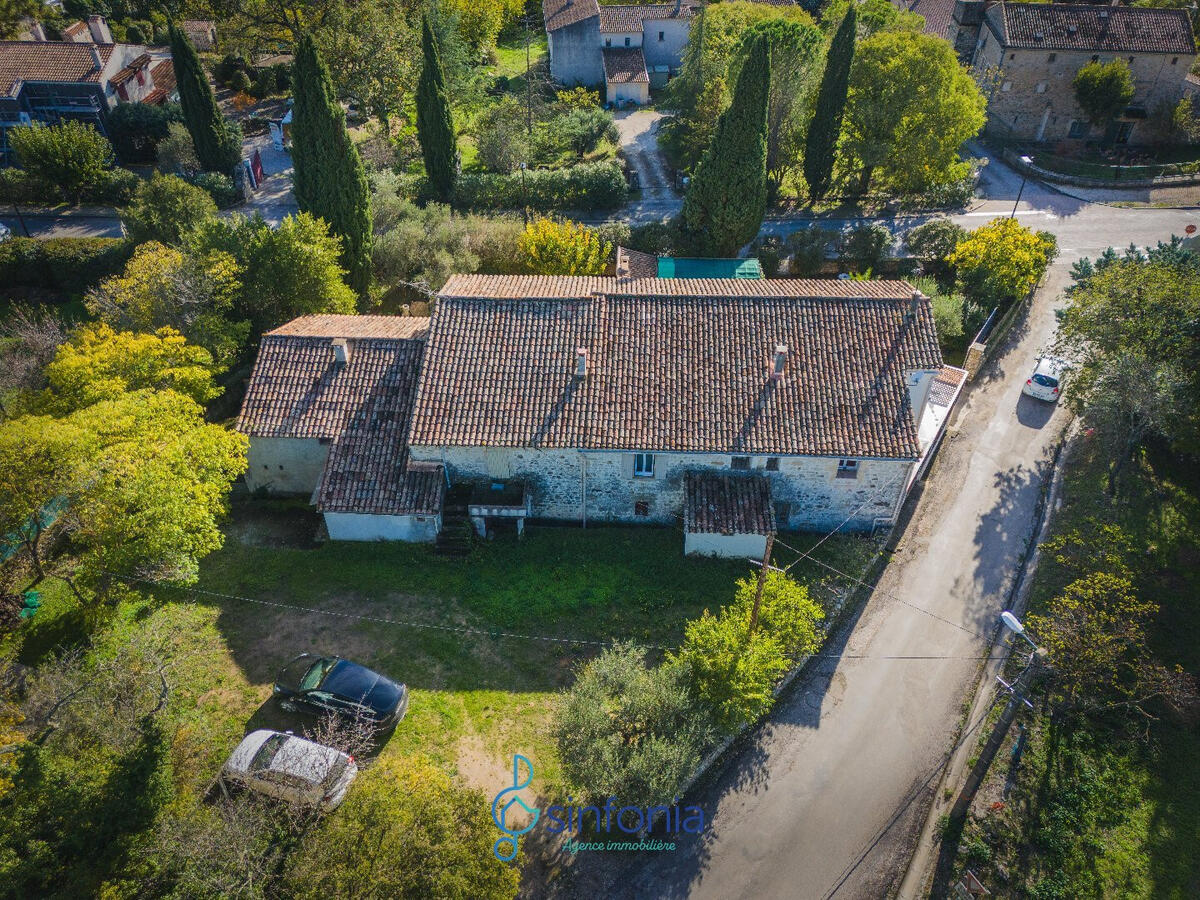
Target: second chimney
column 341, row 351
column 780, row 365
column 97, row 60
column 581, row 356
column 914, row 304
column 98, row 26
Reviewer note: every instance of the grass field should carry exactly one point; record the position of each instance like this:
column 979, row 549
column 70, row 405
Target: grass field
column 477, row 696
column 1109, row 807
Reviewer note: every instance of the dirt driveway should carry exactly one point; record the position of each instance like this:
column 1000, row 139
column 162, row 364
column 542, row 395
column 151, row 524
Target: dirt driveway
column 639, row 144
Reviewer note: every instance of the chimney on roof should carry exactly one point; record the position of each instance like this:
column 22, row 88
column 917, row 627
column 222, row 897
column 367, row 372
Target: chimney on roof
column 779, row 367
column 581, row 356
column 1104, row 13
column 341, row 351
column 914, row 304
column 96, row 59
column 98, row 26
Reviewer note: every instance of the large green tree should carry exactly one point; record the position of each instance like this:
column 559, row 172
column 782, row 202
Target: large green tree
column 1103, row 90
column 217, row 145
column 71, row 156
column 826, row 125
column 435, row 125
column 909, row 108
column 330, row 181
column 725, row 204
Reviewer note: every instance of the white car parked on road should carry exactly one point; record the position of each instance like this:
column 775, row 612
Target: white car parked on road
column 1046, row 381
column 290, row 768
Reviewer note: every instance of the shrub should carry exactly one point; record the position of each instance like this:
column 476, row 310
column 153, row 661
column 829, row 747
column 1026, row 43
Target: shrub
column 586, row 187
column 948, row 310
column 264, row 83
column 616, row 234
column 239, row 82
column 865, row 246
column 70, row 265
column 136, row 129
column 500, row 138
column 809, row 248
column 230, row 63
column 628, row 731
column 176, row 153
column 283, row 76
column 165, row 209
column 16, row 186
column 769, row 251
column 72, row 156
column 562, row 248
column 1001, row 261
column 220, row 187
column 583, row 128
column 933, row 242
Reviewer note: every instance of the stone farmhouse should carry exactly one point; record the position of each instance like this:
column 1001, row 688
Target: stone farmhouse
column 730, row 407
column 82, row 77
column 1030, row 53
column 628, row 49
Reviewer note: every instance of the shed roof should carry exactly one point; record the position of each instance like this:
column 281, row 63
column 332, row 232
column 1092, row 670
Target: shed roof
column 727, row 503
column 625, row 65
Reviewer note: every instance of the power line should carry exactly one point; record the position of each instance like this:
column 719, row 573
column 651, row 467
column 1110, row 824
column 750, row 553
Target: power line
column 493, row 633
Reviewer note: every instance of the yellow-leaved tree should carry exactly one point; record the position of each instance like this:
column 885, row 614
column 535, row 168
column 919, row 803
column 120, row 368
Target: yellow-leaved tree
column 562, row 248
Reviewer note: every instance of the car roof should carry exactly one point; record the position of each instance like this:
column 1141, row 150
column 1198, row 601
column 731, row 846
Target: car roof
column 1050, row 365
column 305, row 759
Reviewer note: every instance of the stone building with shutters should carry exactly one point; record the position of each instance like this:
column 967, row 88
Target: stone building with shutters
column 1029, row 53
column 726, row 407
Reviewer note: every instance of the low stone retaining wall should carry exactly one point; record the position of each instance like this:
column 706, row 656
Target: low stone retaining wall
column 1014, row 160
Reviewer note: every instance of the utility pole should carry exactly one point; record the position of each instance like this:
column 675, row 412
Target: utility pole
column 1018, row 690
column 762, row 580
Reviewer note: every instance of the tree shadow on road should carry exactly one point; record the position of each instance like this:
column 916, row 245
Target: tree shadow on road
column 1003, row 535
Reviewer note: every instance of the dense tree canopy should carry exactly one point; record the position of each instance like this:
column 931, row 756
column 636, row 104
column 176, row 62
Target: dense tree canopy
column 910, row 107
column 562, row 248
column 1002, row 261
column 71, row 156
column 166, row 208
column 724, row 207
column 1103, row 90
column 218, row 146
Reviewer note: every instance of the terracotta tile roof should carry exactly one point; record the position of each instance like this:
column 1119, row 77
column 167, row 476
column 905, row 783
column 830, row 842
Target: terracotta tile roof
column 163, row 75
column 946, row 385
column 566, row 287
column 49, row 61
column 76, row 29
column 130, row 70
column 561, row 13
column 625, row 65
column 726, row 503
column 675, row 373
column 1068, row 26
column 335, row 326
column 628, row 18
column 298, row 390
column 937, row 14
column 636, row 264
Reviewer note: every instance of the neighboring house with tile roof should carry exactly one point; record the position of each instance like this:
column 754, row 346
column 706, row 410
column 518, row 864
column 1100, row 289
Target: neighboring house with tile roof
column 1031, row 53
column 730, row 407
column 201, row 32
column 81, row 78
column 327, row 412
column 628, row 48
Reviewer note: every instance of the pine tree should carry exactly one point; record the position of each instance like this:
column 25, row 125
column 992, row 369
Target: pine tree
column 217, row 146
column 435, row 127
column 826, row 123
column 724, row 206
column 329, row 179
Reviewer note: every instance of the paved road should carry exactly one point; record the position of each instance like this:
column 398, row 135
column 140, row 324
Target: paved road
column 830, row 793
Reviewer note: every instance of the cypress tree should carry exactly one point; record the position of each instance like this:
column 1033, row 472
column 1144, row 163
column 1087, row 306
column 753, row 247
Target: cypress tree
column 329, row 179
column 435, row 127
column 724, row 206
column 826, row 123
column 217, row 146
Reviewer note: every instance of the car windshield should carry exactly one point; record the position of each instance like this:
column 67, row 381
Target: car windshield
column 266, row 753
column 1045, row 380
column 316, row 674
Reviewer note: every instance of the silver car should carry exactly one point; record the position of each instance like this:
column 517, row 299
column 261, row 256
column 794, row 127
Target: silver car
column 290, row 768
column 1046, row 381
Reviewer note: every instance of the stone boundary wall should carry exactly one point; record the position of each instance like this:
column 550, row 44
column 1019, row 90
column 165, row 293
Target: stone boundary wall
column 1014, row 160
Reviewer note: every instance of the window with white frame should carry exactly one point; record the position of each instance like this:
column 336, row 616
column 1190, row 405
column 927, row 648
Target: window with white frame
column 643, row 465
column 847, row 468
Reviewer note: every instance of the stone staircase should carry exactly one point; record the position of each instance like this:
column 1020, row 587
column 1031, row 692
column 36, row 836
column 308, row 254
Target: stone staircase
column 455, row 537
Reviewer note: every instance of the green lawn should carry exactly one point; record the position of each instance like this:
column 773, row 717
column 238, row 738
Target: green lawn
column 1108, row 808
column 510, row 52
column 476, row 697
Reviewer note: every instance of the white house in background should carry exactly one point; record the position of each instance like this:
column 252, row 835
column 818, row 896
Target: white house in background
column 730, row 407
column 628, row 48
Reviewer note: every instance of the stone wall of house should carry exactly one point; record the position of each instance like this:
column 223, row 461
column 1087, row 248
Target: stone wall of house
column 575, row 54
column 668, row 51
column 621, row 39
column 807, row 491
column 285, row 465
column 364, row 527
column 1030, row 96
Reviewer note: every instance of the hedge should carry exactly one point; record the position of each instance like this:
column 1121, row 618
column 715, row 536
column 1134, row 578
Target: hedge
column 588, row 186
column 70, row 265
column 16, row 186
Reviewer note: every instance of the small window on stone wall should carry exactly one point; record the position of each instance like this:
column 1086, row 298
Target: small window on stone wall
column 641, row 508
column 847, row 468
column 1053, row 57
column 739, row 462
column 772, row 463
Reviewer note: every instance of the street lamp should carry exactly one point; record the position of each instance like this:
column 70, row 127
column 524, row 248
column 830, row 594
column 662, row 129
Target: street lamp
column 1028, row 161
column 1013, row 624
